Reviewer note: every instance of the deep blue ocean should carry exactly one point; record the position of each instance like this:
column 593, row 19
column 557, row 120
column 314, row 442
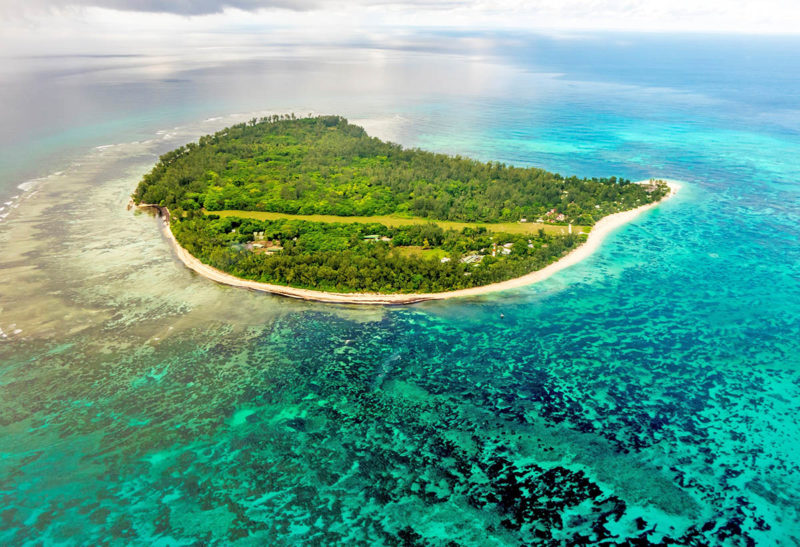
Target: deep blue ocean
column 649, row 394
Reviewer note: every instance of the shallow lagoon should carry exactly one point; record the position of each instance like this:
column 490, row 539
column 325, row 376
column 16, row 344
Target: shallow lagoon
column 650, row 391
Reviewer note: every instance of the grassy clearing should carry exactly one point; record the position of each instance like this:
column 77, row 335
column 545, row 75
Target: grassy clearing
column 413, row 250
column 393, row 221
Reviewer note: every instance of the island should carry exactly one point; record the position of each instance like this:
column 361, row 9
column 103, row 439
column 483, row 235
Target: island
column 315, row 208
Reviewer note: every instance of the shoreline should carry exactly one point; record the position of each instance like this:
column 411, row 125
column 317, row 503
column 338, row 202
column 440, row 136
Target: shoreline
column 599, row 232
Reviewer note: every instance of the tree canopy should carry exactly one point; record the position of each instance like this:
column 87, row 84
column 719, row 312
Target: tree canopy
column 327, row 166
column 365, row 257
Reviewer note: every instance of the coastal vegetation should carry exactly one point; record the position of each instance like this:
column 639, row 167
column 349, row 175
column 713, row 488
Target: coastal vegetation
column 365, row 257
column 317, row 203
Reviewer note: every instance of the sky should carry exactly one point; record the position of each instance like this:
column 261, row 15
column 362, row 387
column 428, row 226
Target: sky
column 34, row 27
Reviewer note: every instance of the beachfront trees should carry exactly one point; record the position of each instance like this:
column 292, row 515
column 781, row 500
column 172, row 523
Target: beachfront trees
column 363, row 257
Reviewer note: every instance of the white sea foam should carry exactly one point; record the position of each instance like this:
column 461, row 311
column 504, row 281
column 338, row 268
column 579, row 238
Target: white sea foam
column 29, row 189
column 29, row 184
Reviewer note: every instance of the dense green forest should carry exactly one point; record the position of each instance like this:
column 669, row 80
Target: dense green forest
column 365, row 257
column 325, row 165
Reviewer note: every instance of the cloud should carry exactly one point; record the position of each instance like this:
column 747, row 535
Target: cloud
column 341, row 16
column 208, row 7
column 179, row 7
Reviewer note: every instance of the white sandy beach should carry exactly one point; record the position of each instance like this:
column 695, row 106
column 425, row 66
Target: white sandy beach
column 601, row 229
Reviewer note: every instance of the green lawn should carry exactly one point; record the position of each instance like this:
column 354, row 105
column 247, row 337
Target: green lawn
column 414, row 250
column 392, row 221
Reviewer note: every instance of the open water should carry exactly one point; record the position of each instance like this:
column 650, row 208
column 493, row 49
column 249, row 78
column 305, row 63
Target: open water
column 648, row 394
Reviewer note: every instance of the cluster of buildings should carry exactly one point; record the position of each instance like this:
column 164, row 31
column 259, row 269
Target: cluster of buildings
column 475, row 258
column 652, row 185
column 552, row 215
column 262, row 245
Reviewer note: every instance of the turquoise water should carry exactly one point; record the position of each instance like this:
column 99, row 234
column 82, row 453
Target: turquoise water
column 648, row 394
